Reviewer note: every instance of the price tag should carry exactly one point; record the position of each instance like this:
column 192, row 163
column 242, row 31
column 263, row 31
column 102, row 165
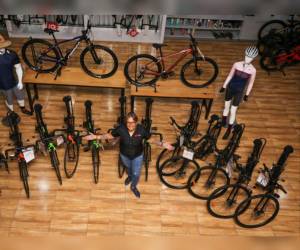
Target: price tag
column 28, row 154
column 59, row 140
column 188, row 154
column 262, row 180
column 181, row 139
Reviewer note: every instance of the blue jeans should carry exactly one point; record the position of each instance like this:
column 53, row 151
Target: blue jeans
column 133, row 168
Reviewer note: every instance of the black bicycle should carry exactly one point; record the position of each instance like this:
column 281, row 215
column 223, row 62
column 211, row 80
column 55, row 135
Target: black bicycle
column 44, row 57
column 223, row 201
column 19, row 150
column 184, row 134
column 94, row 146
column 48, row 142
column 72, row 139
column 259, row 210
column 203, row 181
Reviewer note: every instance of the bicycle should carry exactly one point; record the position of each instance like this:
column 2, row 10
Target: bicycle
column 204, row 180
column 72, row 139
column 183, row 134
column 259, row 210
column 145, row 70
column 44, row 57
column 93, row 145
column 280, row 58
column 223, row 201
column 19, row 151
column 48, row 142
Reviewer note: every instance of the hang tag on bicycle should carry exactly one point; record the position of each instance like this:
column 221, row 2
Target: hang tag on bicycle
column 28, row 154
column 188, row 154
column 262, row 180
column 59, row 140
column 181, row 140
column 229, row 167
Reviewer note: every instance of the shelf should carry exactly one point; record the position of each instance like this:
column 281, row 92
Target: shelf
column 202, row 28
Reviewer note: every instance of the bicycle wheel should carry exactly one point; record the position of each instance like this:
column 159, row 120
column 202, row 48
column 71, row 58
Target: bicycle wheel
column 40, row 55
column 55, row 165
column 257, row 211
column 205, row 180
column 175, row 172
column 270, row 63
column 223, row 201
column 167, row 154
column 269, row 43
column 147, row 158
column 71, row 158
column 142, row 70
column 199, row 74
column 24, row 176
column 98, row 61
column 121, row 167
column 96, row 163
column 271, row 27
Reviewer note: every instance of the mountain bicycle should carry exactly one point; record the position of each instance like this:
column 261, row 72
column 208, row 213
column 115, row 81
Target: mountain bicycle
column 222, row 202
column 44, row 57
column 72, row 139
column 280, row 58
column 19, row 151
column 145, row 70
column 48, row 142
column 94, row 145
column 184, row 134
column 203, row 181
column 259, row 210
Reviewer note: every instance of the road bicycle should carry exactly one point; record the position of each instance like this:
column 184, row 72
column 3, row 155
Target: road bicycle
column 145, row 70
column 222, row 202
column 259, row 210
column 44, row 57
column 184, row 134
column 203, row 181
column 19, row 150
column 280, row 58
column 48, row 142
column 72, row 139
column 289, row 28
column 94, row 145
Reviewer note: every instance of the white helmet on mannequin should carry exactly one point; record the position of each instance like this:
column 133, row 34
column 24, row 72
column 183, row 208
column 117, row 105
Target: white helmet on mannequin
column 251, row 51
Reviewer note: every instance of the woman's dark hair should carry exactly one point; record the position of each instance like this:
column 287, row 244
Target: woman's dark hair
column 131, row 115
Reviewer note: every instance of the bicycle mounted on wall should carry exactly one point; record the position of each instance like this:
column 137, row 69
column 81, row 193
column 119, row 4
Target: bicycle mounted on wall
column 145, row 70
column 44, row 57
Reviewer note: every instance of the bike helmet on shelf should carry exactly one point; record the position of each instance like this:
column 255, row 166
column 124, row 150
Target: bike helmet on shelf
column 251, row 51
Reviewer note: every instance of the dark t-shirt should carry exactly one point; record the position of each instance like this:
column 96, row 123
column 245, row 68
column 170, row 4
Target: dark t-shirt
column 131, row 146
column 7, row 62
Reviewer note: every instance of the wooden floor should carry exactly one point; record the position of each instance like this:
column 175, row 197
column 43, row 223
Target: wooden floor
column 81, row 208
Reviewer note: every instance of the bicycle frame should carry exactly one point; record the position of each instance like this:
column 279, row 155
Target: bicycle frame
column 294, row 56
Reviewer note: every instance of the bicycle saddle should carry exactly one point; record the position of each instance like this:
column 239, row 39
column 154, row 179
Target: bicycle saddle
column 158, row 45
column 50, row 31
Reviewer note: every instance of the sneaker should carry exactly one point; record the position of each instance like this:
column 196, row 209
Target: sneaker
column 127, row 181
column 136, row 192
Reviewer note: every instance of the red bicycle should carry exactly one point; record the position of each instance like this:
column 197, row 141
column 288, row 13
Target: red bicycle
column 145, row 70
column 280, row 59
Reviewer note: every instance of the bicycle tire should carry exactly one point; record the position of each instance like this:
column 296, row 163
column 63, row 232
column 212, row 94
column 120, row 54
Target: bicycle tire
column 270, row 43
column 27, row 45
column 96, row 163
column 55, row 165
column 69, row 174
column 121, row 167
column 183, row 183
column 196, row 176
column 262, row 28
column 137, row 82
column 112, row 58
column 24, row 176
column 244, row 206
column 147, row 153
column 167, row 154
column 220, row 193
column 206, row 82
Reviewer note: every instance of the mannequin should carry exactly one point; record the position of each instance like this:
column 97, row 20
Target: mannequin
column 238, row 86
column 9, row 86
